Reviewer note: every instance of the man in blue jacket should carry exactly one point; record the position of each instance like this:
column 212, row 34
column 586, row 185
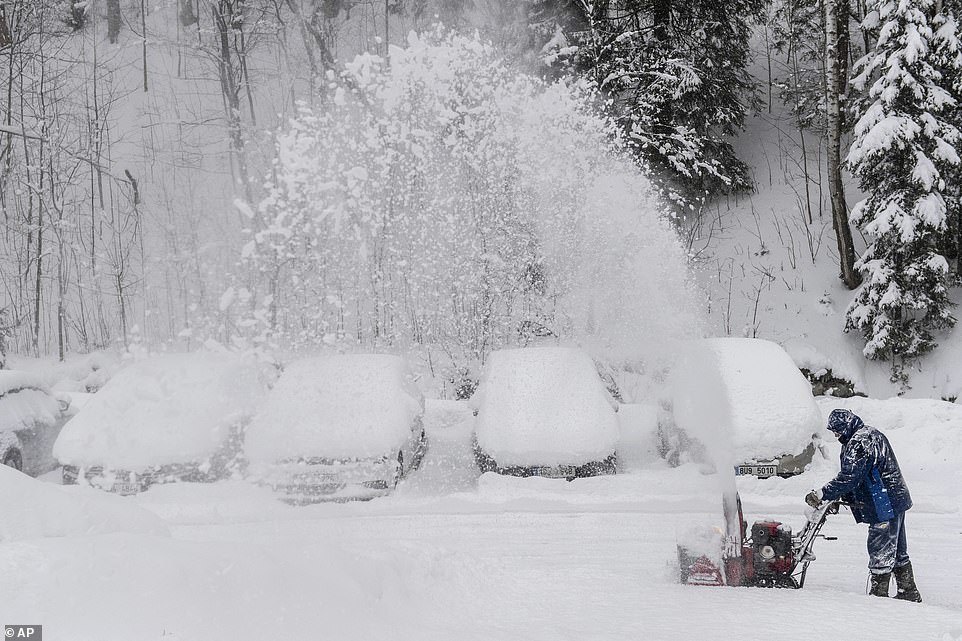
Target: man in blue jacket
column 871, row 482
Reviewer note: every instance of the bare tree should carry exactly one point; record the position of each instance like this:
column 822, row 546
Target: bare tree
column 229, row 54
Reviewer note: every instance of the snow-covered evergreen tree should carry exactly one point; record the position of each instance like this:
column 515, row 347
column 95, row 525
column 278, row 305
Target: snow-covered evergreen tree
column 902, row 152
column 675, row 74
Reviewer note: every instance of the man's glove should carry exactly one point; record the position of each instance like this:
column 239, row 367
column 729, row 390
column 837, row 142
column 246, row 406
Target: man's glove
column 814, row 498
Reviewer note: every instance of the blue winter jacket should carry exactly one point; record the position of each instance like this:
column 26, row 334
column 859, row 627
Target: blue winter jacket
column 864, row 448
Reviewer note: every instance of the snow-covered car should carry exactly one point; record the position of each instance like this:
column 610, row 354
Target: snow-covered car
column 171, row 417
column 337, row 427
column 544, row 411
column 746, row 401
column 31, row 417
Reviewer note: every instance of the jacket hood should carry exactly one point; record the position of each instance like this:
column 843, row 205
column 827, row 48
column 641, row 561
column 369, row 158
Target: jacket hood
column 844, row 423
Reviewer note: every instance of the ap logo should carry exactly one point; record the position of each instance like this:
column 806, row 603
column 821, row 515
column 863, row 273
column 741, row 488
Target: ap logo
column 25, row 632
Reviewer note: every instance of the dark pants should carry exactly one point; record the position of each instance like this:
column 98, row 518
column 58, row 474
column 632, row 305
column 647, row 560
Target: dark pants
column 886, row 545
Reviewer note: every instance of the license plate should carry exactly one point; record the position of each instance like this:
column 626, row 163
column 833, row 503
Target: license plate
column 315, row 477
column 761, row 471
column 552, row 472
column 323, row 488
column 310, row 488
column 125, row 488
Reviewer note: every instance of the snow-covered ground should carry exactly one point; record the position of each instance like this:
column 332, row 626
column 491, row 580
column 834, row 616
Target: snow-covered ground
column 452, row 555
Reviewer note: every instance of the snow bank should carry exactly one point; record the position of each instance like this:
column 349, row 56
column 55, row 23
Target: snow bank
column 341, row 406
column 448, row 466
column 443, row 414
column 228, row 501
column 165, row 409
column 751, row 387
column 33, row 509
column 544, row 406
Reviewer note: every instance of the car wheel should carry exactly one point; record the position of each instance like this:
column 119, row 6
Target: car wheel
column 13, row 459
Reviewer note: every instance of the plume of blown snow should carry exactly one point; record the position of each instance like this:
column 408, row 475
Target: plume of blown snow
column 493, row 200
column 624, row 273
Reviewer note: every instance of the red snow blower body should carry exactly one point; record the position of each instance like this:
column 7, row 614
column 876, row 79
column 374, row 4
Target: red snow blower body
column 772, row 556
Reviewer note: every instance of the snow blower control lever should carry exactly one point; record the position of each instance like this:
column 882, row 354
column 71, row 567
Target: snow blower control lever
column 771, row 557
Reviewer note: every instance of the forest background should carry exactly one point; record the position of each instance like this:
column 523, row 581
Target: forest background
column 142, row 167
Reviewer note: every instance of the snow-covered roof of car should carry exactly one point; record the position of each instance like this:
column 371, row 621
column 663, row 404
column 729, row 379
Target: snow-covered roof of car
column 76, row 373
column 745, row 394
column 343, row 406
column 543, row 406
column 171, row 408
column 25, row 402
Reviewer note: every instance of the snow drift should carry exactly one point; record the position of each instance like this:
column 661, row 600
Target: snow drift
column 33, row 509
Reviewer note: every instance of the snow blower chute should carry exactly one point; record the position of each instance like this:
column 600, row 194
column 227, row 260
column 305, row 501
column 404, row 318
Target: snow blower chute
column 770, row 557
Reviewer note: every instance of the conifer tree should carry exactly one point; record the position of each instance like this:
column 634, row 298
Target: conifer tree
column 904, row 148
column 675, row 74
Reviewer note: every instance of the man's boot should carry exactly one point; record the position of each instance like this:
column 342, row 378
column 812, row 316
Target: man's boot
column 880, row 584
column 905, row 582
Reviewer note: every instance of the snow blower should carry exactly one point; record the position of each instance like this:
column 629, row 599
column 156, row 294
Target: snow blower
column 770, row 557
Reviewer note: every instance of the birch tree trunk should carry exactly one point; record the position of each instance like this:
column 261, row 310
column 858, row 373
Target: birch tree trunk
column 843, row 232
